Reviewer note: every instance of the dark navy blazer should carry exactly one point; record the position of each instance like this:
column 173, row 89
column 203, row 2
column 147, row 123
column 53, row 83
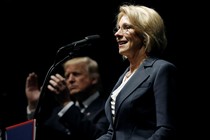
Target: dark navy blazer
column 145, row 108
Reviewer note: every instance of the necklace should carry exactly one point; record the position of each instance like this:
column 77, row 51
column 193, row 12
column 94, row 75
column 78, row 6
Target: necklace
column 128, row 74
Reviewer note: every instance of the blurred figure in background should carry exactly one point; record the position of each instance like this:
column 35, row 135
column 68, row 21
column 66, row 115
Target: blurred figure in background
column 80, row 113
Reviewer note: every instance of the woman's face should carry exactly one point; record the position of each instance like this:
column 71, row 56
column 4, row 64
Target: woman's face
column 129, row 43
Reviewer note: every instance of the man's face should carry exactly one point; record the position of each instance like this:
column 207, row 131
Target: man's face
column 77, row 78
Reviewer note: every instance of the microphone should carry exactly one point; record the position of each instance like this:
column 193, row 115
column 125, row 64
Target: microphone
column 71, row 48
column 82, row 42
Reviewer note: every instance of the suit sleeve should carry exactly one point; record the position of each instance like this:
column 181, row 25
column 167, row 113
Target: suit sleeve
column 165, row 100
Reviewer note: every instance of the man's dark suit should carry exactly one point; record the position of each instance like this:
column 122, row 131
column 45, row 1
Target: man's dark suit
column 74, row 125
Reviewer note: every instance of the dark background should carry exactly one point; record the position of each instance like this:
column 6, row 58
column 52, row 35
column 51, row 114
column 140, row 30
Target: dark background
column 33, row 31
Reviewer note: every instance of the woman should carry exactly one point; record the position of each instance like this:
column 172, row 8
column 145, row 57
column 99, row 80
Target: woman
column 142, row 103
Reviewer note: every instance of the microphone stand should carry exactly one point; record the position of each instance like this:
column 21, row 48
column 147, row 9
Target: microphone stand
column 52, row 69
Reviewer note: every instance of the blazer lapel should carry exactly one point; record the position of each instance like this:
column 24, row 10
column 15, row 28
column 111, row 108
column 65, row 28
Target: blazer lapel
column 137, row 79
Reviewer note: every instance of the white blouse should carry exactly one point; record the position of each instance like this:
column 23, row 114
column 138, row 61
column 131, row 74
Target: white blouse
column 116, row 92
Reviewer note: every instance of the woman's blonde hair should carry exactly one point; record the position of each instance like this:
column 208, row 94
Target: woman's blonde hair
column 148, row 24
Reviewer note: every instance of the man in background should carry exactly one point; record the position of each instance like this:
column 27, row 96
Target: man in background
column 80, row 110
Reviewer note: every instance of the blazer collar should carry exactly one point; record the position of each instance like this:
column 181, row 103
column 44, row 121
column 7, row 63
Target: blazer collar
column 137, row 79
